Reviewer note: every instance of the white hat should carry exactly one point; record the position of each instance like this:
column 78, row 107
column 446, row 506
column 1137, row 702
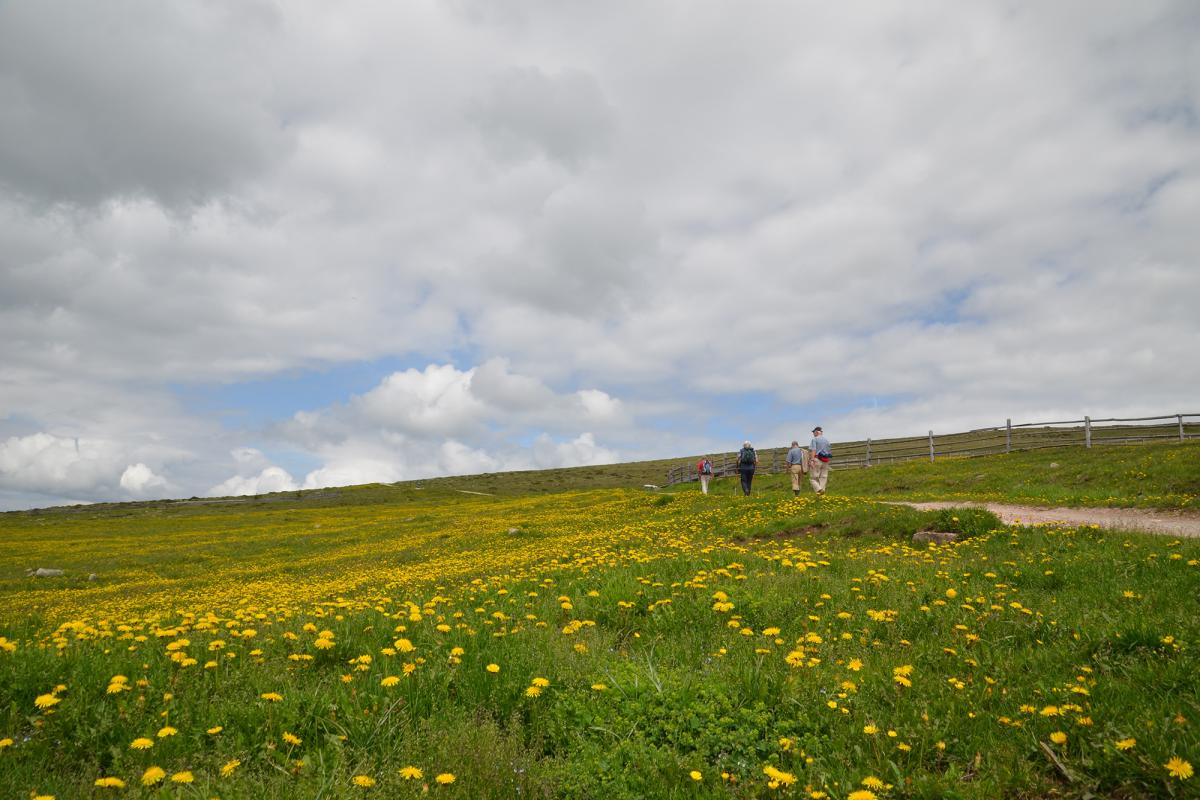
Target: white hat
column 746, row 443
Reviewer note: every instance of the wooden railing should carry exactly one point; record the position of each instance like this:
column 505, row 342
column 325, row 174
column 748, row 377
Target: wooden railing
column 1086, row 432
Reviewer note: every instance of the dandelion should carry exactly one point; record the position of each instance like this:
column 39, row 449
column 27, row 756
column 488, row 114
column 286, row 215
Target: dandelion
column 166, row 731
column 871, row 782
column 5, row 742
column 411, row 773
column 540, row 682
column 862, row 794
column 292, row 739
column 1058, row 737
column 1178, row 768
column 855, row 665
column 45, row 701
column 445, row 779
column 153, row 775
column 599, row 687
column 1125, row 744
column 141, row 743
column 229, row 766
column 182, row 777
column 390, row 680
column 493, row 668
column 533, row 691
column 273, row 697
column 110, row 783
column 696, row 775
column 214, row 730
column 365, row 781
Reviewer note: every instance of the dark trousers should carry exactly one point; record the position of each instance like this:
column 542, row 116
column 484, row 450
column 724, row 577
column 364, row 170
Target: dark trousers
column 747, row 474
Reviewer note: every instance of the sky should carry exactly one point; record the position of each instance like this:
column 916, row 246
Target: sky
column 251, row 246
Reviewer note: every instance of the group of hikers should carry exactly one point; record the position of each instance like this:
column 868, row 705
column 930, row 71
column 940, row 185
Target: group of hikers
column 813, row 462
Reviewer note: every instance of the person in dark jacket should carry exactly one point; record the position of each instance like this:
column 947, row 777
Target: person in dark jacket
column 747, row 461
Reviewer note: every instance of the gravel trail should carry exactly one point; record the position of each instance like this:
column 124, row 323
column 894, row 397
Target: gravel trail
column 1169, row 523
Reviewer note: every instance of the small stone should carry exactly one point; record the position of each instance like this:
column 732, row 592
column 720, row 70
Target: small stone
column 513, row 531
column 91, row 576
column 650, row 486
column 941, row 537
column 1053, row 465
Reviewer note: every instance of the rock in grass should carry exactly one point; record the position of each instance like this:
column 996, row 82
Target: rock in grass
column 941, row 537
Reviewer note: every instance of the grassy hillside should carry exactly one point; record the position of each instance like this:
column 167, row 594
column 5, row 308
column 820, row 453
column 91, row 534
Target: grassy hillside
column 387, row 641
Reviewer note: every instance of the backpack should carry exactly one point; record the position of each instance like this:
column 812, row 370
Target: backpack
column 704, row 466
column 746, row 457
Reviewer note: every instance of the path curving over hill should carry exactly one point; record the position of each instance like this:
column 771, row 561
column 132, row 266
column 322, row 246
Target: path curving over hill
column 1169, row 523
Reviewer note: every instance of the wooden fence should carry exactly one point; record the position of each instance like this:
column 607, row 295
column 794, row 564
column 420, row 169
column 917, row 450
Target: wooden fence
column 1086, row 432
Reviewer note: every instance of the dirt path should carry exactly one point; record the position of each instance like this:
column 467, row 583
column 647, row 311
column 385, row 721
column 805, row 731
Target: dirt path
column 1170, row 523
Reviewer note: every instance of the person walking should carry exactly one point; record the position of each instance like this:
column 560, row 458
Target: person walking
column 818, row 465
column 747, row 461
column 797, row 461
column 705, row 471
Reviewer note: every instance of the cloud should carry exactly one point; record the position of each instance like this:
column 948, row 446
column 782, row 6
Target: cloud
column 666, row 230
column 138, row 479
column 270, row 479
column 56, row 463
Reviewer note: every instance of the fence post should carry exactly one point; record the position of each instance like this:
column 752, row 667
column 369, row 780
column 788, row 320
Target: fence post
column 869, row 449
column 1087, row 431
column 1180, row 418
column 1008, row 435
column 931, row 446
column 774, row 461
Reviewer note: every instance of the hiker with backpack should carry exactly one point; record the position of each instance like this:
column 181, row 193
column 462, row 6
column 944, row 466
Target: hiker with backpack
column 821, row 455
column 705, row 471
column 797, row 461
column 746, row 462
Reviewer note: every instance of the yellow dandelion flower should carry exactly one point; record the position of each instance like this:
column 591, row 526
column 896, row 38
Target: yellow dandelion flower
column 445, row 779
column 540, row 682
column 229, row 766
column 1178, row 768
column 871, row 782
column 1125, row 744
column 855, row 664
column 533, row 691
column 46, row 701
column 696, row 775
column 141, row 743
column 493, row 668
column 600, row 687
column 292, row 739
column 5, row 742
column 166, row 731
column 411, row 773
column 274, row 697
column 390, row 680
column 153, row 775
column 110, row 783
column 214, row 730
column 862, row 794
column 364, row 781
column 182, row 777
column 1058, row 737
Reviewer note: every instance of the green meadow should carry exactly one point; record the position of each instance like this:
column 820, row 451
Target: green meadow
column 570, row 634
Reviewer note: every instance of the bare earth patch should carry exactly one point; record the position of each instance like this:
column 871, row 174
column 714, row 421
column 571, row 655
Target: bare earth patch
column 1170, row 523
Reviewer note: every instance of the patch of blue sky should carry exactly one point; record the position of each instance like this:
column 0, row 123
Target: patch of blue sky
column 261, row 402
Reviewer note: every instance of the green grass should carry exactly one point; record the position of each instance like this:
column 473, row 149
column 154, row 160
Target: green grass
column 1012, row 635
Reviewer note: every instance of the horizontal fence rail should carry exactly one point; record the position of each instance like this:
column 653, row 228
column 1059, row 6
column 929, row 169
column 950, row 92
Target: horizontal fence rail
column 1006, row 438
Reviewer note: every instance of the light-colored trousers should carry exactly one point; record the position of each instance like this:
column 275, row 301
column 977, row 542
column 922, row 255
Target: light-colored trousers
column 796, row 471
column 704, row 479
column 818, row 474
